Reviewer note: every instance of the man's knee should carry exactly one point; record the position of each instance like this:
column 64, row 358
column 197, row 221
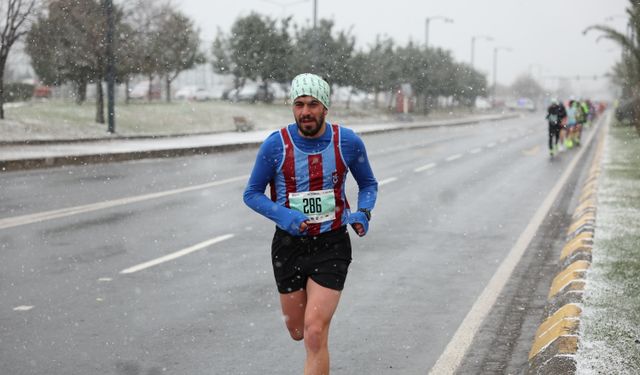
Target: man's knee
column 296, row 333
column 295, row 326
column 315, row 336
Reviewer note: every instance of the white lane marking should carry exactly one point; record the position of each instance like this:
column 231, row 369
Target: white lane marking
column 475, row 150
column 55, row 214
column 22, row 308
column 387, row 181
column 492, row 144
column 177, row 254
column 453, row 157
column 105, row 279
column 454, row 352
column 425, row 167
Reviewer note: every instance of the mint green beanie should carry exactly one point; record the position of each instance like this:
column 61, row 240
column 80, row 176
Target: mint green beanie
column 308, row 84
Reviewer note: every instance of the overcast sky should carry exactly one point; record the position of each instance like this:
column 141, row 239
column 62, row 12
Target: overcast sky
column 545, row 35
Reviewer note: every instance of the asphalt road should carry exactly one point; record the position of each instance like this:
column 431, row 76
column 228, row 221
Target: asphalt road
column 84, row 288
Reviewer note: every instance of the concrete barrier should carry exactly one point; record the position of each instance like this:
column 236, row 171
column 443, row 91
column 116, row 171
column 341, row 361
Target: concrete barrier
column 557, row 339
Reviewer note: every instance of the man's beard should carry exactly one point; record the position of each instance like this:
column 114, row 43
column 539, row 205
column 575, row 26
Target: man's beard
column 313, row 131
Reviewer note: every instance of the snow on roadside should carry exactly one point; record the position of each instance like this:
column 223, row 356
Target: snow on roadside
column 610, row 326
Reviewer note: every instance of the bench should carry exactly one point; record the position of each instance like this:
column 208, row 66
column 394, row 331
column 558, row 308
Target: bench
column 242, row 124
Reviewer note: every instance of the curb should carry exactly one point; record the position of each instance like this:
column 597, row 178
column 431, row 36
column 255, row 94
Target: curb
column 108, row 138
column 557, row 338
column 90, row 158
column 56, row 161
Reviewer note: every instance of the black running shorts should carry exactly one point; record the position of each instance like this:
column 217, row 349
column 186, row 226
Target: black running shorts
column 324, row 258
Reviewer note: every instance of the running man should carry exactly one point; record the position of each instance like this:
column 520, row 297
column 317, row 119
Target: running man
column 572, row 121
column 306, row 165
column 555, row 115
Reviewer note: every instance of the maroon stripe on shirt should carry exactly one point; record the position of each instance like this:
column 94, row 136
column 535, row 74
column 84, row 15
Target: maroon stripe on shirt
column 338, row 179
column 315, row 183
column 289, row 166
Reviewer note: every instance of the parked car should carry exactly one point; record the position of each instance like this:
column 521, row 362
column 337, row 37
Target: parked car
column 42, row 91
column 251, row 93
column 202, row 95
column 482, row 103
column 185, row 93
column 194, row 93
column 141, row 91
column 522, row 104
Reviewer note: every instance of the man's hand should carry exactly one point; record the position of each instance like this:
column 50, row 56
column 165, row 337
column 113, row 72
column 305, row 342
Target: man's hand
column 359, row 222
column 303, row 226
column 359, row 228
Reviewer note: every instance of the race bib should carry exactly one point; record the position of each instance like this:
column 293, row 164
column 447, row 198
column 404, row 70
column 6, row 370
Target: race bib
column 319, row 205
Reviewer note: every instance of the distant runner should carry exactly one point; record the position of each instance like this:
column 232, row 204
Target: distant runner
column 555, row 115
column 572, row 122
column 306, row 165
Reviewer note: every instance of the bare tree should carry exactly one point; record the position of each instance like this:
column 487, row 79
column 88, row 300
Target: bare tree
column 143, row 15
column 14, row 15
column 178, row 46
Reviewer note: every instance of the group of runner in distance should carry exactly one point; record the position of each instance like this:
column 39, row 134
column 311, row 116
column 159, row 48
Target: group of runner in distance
column 566, row 122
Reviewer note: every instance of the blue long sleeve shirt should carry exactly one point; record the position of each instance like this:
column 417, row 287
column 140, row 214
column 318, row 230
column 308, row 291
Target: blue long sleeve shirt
column 269, row 159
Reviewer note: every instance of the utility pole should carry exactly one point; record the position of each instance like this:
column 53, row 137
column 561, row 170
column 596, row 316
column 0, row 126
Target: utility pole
column 316, row 38
column 111, row 68
column 315, row 14
column 495, row 71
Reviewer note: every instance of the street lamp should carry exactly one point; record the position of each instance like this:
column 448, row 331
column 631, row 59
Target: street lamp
column 473, row 44
column 495, row 71
column 426, row 30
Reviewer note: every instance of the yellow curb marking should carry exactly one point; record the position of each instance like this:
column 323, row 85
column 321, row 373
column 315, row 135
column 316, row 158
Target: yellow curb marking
column 568, row 345
column 590, row 187
column 592, row 176
column 583, row 211
column 588, row 194
column 571, row 274
column 550, row 330
column 587, row 218
column 562, row 322
column 586, row 205
column 584, row 239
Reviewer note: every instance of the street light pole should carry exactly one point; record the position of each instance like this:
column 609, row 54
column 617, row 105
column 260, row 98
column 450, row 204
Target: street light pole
column 108, row 7
column 473, row 45
column 426, row 27
column 495, row 71
column 315, row 14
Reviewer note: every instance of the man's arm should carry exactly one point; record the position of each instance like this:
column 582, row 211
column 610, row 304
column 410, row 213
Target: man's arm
column 355, row 155
column 363, row 174
column 267, row 161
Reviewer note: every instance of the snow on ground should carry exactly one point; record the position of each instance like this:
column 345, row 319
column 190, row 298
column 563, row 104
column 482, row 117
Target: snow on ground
column 38, row 120
column 610, row 327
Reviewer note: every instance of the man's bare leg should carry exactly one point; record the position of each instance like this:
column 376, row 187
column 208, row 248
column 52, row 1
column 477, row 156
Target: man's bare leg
column 321, row 305
column 293, row 306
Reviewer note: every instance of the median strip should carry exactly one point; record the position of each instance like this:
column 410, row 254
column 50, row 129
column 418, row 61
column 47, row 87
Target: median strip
column 450, row 359
column 557, row 339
